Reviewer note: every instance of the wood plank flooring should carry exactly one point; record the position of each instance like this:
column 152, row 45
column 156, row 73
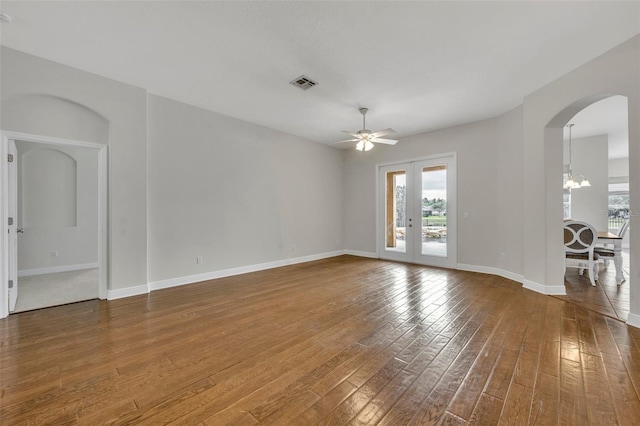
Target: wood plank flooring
column 341, row 341
column 607, row 297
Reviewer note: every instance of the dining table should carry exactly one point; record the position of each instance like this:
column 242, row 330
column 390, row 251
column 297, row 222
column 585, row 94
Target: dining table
column 606, row 237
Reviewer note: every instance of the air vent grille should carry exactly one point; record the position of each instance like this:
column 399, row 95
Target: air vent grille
column 5, row 19
column 303, row 82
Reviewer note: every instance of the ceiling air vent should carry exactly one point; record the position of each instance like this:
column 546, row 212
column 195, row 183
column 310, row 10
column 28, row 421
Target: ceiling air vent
column 303, row 82
column 5, row 19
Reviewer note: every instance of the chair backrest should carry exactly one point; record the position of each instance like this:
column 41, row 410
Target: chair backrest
column 579, row 237
column 623, row 229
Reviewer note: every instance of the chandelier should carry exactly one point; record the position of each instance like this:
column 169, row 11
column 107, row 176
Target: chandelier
column 579, row 181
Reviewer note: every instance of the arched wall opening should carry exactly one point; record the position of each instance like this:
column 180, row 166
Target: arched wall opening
column 553, row 171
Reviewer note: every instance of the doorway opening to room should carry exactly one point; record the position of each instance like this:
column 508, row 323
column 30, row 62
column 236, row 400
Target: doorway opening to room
column 417, row 211
column 596, row 150
column 54, row 203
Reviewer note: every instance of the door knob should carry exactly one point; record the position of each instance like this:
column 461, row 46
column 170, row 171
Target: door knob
column 20, row 230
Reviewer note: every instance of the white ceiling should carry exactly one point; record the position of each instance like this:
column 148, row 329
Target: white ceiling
column 417, row 66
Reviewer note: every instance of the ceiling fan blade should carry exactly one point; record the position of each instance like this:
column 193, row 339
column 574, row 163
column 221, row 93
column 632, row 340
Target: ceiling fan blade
column 384, row 141
column 355, row 135
column 348, row 140
column 383, row 132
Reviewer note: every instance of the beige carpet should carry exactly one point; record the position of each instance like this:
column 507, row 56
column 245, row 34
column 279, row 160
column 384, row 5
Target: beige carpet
column 41, row 291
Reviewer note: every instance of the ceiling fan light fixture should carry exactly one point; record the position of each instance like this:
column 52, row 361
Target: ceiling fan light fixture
column 364, row 145
column 365, row 138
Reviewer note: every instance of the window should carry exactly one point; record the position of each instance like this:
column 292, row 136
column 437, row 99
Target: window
column 618, row 204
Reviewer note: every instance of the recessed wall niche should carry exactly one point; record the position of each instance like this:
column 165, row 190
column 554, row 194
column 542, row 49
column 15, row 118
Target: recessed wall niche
column 48, row 189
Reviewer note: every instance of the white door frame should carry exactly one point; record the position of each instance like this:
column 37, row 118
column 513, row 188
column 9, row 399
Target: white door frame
column 4, row 211
column 452, row 253
column 12, row 233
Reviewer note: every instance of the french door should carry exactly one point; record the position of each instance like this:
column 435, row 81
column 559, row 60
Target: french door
column 417, row 211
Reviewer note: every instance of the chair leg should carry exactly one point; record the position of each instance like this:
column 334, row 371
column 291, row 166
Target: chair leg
column 593, row 273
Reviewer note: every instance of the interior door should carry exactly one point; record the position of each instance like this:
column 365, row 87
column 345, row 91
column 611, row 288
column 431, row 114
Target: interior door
column 417, row 212
column 13, row 225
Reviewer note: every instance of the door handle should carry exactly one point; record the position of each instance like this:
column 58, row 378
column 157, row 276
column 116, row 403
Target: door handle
column 20, row 230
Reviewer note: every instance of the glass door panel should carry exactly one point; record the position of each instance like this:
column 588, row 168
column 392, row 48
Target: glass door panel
column 436, row 180
column 434, row 211
column 396, row 240
column 396, row 211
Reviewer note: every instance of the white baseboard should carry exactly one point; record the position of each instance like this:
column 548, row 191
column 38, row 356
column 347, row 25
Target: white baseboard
column 553, row 290
column 361, row 253
column 633, row 320
column 54, row 269
column 190, row 279
column 127, row 292
column 493, row 271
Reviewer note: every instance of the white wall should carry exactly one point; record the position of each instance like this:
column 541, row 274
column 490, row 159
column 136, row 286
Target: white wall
column 72, row 234
column 231, row 192
column 235, row 193
column 590, row 158
column 488, row 164
column 518, row 156
column 546, row 111
column 46, row 98
column 619, row 168
column 509, row 231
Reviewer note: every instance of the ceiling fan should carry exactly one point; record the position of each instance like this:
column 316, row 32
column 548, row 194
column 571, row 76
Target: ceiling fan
column 366, row 138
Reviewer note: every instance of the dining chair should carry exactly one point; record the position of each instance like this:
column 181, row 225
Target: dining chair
column 621, row 233
column 579, row 242
column 607, row 253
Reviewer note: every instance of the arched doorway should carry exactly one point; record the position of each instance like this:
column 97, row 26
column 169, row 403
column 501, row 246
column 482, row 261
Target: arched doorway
column 596, row 148
column 77, row 136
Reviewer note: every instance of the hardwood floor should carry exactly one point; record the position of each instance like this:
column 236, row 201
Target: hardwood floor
column 607, row 297
column 340, row 341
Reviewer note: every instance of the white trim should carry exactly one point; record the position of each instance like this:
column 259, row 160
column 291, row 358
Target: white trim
column 4, row 239
column 103, row 221
column 553, row 290
column 54, row 269
column 493, row 271
column 372, row 255
column 127, row 292
column 50, row 140
column 633, row 320
column 190, row 279
column 412, row 160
